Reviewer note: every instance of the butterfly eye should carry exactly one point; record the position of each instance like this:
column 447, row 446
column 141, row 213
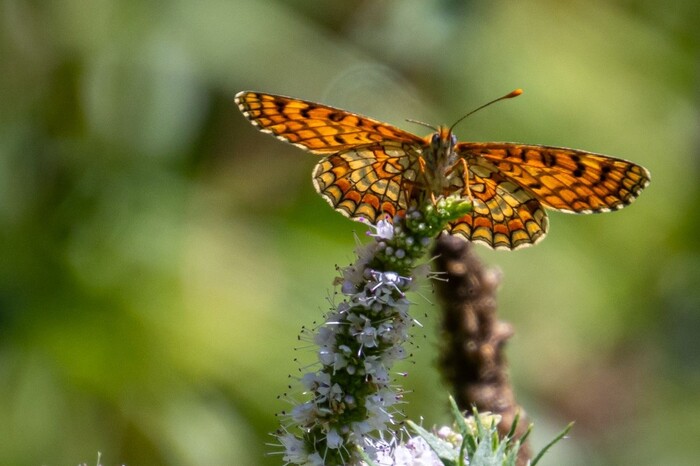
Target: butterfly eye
column 436, row 139
column 453, row 138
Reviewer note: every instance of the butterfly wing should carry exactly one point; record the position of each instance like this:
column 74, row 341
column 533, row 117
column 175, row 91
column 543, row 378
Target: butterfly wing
column 369, row 181
column 317, row 128
column 370, row 166
column 567, row 180
column 504, row 215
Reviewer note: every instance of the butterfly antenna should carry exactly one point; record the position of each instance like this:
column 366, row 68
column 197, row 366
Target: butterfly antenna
column 515, row 93
column 421, row 123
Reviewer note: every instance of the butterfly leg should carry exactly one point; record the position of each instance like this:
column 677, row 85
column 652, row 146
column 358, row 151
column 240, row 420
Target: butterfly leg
column 421, row 166
column 465, row 169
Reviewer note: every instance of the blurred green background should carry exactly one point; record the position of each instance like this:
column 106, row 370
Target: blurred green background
column 158, row 255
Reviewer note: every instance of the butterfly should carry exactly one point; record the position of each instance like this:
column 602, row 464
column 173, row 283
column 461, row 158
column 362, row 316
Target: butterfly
column 371, row 169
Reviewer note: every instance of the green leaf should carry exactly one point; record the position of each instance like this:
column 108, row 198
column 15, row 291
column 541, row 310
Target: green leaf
column 514, row 425
column 480, row 430
column 463, row 429
column 484, row 455
column 445, row 451
column 459, row 417
column 526, row 434
column 551, row 444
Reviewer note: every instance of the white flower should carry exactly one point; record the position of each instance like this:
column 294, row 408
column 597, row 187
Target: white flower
column 336, row 393
column 391, row 280
column 393, row 333
column 330, row 357
column 357, row 322
column 372, row 365
column 314, row 459
column 395, row 353
column 377, row 406
column 315, row 380
column 367, row 337
column 333, row 439
column 352, row 275
column 401, row 307
column 415, row 452
column 305, row 414
column 294, row 449
column 349, row 287
column 324, row 337
column 362, row 428
column 343, row 309
column 449, row 435
column 384, row 229
column 365, row 254
column 323, row 392
column 339, row 362
column 326, row 355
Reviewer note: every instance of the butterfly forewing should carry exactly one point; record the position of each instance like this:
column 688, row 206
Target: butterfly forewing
column 567, row 180
column 317, row 128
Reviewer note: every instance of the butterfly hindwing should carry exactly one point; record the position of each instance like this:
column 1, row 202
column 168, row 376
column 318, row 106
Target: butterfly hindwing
column 504, row 215
column 368, row 182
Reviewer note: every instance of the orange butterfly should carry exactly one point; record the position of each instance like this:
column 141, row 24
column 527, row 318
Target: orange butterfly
column 371, row 168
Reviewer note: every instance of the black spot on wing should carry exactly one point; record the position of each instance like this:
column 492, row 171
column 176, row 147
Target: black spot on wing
column 336, row 116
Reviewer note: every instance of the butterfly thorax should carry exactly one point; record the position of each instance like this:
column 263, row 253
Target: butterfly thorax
column 439, row 161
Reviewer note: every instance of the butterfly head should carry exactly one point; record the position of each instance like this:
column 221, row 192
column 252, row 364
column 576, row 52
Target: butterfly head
column 442, row 144
column 439, row 157
column 443, row 140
